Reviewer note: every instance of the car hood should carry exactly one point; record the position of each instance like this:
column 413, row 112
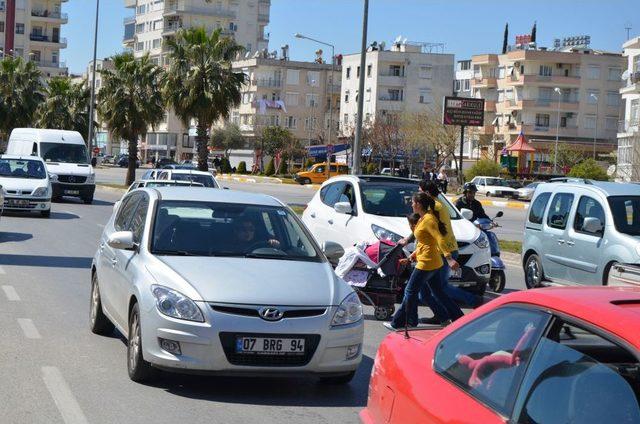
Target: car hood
column 27, row 185
column 69, row 168
column 251, row 281
column 463, row 229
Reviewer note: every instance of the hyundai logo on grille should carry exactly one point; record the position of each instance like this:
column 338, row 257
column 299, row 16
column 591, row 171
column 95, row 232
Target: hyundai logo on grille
column 271, row 314
column 72, row 179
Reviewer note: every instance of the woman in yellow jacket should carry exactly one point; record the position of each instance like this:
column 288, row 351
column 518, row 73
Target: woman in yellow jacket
column 430, row 234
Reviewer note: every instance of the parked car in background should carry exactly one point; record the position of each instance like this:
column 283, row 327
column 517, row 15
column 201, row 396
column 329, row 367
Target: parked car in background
column 351, row 209
column 514, row 184
column 526, row 192
column 108, row 159
column 25, row 185
column 123, row 162
column 151, row 174
column 204, row 178
column 390, row 172
column 558, row 355
column 162, row 162
column 576, row 232
column 317, row 173
column 215, row 281
column 493, row 186
column 162, row 183
column 180, row 166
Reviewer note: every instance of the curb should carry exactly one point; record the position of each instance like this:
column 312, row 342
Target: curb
column 248, row 179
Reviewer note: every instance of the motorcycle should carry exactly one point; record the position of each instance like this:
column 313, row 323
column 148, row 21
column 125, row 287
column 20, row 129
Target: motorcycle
column 498, row 278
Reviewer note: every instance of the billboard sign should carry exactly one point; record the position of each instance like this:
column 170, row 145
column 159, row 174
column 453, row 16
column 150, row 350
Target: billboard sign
column 463, row 111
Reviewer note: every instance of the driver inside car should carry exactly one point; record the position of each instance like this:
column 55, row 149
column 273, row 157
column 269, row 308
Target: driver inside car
column 245, row 236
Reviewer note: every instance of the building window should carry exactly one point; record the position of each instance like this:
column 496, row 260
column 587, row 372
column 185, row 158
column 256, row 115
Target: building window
column 611, row 123
column 458, row 86
column 467, row 85
column 291, row 122
column 396, row 71
column 139, row 28
column 425, row 96
column 613, row 99
column 590, row 99
column 542, row 120
column 349, row 73
column 19, row 28
column 313, row 78
column 291, row 99
column 293, row 77
column 590, row 122
column 593, row 72
column 545, row 70
column 358, row 72
column 369, row 68
column 345, row 119
column 368, row 95
column 615, row 74
column 159, row 24
column 139, row 46
column 395, row 95
column 310, row 123
column 465, row 65
column 142, row 9
column 157, row 43
column 346, row 96
column 1, row 26
column 312, row 100
column 426, row 72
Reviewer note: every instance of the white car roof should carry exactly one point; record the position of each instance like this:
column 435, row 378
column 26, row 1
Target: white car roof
column 20, row 157
column 188, row 171
column 203, row 194
column 48, row 135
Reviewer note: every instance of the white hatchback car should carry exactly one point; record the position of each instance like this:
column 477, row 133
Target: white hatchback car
column 493, row 186
column 25, row 184
column 349, row 209
column 204, row 178
column 216, row 281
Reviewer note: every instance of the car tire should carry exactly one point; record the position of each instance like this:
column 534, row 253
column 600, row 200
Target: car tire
column 98, row 321
column 87, row 200
column 533, row 272
column 139, row 370
column 45, row 214
column 383, row 313
column 498, row 281
column 607, row 271
column 339, row 379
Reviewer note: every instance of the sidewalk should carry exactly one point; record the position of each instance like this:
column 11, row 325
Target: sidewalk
column 252, row 179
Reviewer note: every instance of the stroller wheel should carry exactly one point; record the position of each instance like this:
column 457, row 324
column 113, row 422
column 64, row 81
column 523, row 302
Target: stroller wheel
column 383, row 313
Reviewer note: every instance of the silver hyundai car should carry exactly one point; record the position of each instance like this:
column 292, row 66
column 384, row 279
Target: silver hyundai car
column 222, row 282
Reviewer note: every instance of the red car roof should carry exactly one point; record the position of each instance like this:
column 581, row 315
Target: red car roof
column 614, row 309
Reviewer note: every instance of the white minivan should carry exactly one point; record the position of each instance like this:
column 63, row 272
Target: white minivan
column 66, row 156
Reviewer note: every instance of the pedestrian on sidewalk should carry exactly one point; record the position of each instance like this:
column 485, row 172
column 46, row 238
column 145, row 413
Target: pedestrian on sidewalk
column 429, row 234
column 444, row 180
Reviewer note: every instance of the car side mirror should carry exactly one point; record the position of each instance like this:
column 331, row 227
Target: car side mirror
column 466, row 214
column 333, row 251
column 592, row 225
column 499, row 214
column 122, row 240
column 343, row 207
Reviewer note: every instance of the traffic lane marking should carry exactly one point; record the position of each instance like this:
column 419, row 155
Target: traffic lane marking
column 63, row 396
column 11, row 293
column 28, row 328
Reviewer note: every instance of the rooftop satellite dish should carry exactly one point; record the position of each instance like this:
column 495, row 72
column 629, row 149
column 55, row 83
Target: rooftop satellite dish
column 382, row 45
column 404, row 40
column 398, row 39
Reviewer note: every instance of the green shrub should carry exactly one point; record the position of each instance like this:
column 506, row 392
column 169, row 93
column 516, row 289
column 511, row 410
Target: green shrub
column 242, row 167
column 589, row 169
column 270, row 169
column 225, row 166
column 370, row 168
column 282, row 168
column 484, row 167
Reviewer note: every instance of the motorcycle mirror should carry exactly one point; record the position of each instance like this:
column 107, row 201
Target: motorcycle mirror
column 499, row 214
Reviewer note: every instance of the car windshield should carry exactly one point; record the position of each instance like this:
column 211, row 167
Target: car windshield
column 495, row 182
column 189, row 228
column 65, row 153
column 626, row 214
column 205, row 180
column 394, row 199
column 22, row 168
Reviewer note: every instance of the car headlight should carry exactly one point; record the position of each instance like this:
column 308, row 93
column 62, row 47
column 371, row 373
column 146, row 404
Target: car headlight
column 482, row 241
column 53, row 178
column 349, row 311
column 384, row 234
column 176, row 305
column 41, row 192
column 91, row 178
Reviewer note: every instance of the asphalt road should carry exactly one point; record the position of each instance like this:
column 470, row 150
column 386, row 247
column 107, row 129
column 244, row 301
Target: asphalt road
column 54, row 370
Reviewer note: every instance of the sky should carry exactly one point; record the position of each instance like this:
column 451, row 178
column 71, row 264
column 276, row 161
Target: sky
column 466, row 27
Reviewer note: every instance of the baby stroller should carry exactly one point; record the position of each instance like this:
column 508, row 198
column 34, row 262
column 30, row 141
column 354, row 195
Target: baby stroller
column 376, row 274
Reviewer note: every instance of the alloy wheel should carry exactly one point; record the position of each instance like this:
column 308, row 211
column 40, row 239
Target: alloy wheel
column 134, row 342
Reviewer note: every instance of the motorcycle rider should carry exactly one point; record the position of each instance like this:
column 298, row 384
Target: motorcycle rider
column 468, row 201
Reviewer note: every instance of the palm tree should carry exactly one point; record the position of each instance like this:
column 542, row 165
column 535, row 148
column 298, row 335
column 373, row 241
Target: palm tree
column 65, row 107
column 130, row 101
column 20, row 94
column 201, row 84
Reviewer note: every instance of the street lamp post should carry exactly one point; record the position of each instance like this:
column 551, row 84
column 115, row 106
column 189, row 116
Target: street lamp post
column 555, row 156
column 357, row 142
column 93, row 79
column 595, row 134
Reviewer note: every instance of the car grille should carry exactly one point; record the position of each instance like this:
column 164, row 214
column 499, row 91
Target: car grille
column 72, row 179
column 228, row 341
column 253, row 312
column 463, row 259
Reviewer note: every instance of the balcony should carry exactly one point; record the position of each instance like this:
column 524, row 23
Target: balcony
column 49, row 64
column 570, row 104
column 529, row 128
column 479, row 82
column 527, row 79
column 391, row 80
column 171, row 28
column 490, row 105
column 263, row 18
column 48, row 16
column 628, row 127
column 268, row 82
column 40, row 38
column 175, row 9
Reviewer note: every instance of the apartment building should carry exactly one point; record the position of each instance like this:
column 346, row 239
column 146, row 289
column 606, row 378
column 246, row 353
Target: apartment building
column 155, row 21
column 406, row 78
column 536, row 91
column 463, row 77
column 629, row 126
column 295, row 95
column 31, row 29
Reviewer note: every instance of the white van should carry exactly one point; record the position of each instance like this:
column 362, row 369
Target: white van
column 66, row 156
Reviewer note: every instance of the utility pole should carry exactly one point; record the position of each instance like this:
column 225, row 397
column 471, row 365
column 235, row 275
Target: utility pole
column 93, row 82
column 357, row 142
column 555, row 156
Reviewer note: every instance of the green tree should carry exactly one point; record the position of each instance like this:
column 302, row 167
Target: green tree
column 589, row 169
column 275, row 140
column 270, row 168
column 242, row 167
column 20, row 94
column 66, row 106
column 485, row 167
column 283, row 168
column 130, row 101
column 201, row 84
column 566, row 157
column 227, row 139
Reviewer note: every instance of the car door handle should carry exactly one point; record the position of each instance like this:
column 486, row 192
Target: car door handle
column 313, row 215
column 114, row 262
column 570, row 243
column 560, row 241
column 330, row 221
column 101, row 247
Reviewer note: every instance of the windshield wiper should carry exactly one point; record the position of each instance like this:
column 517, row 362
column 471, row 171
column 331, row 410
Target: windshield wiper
column 266, row 256
column 176, row 253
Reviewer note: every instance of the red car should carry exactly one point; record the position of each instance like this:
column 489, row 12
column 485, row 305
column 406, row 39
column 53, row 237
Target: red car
column 554, row 355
